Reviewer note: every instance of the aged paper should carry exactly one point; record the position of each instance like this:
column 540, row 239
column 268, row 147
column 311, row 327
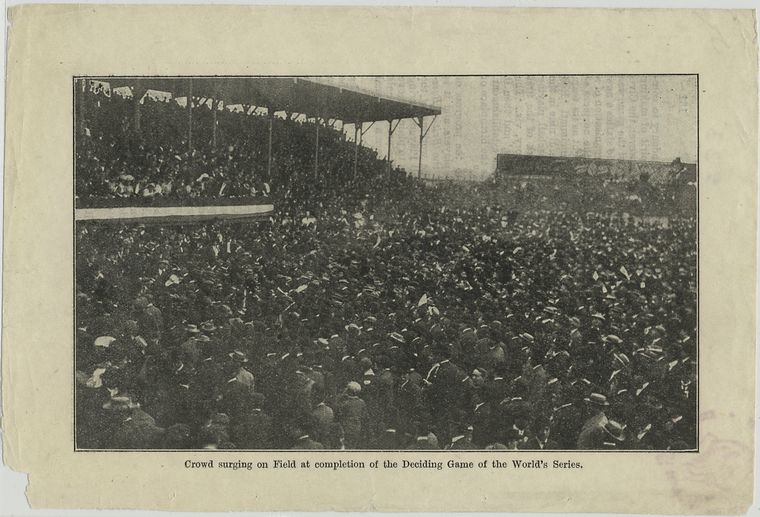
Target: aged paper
column 51, row 46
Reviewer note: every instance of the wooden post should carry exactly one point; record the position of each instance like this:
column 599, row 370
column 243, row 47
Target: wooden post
column 316, row 150
column 388, row 157
column 214, row 108
column 189, row 108
column 137, row 94
column 420, row 122
column 270, row 113
column 357, row 131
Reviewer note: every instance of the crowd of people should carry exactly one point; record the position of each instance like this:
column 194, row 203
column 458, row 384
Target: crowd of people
column 634, row 195
column 117, row 164
column 422, row 318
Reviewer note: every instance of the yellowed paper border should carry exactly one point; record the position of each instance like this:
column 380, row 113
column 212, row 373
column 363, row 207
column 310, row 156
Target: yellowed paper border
column 48, row 45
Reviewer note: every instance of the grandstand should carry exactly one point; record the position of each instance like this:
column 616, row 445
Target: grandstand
column 212, row 106
column 602, row 168
column 578, row 183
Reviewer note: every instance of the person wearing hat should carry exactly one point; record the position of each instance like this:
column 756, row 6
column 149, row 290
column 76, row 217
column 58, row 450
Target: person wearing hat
column 540, row 438
column 212, row 438
column 385, row 386
column 303, row 441
column 462, row 441
column 190, row 351
column 137, row 429
column 388, row 440
column 252, row 427
column 474, row 386
column 351, row 413
column 371, row 394
column 513, row 439
column 614, row 436
column 492, row 354
column 445, row 392
column 241, row 375
column 409, row 400
column 593, row 432
column 149, row 318
column 177, row 436
column 515, row 408
column 423, row 439
column 322, row 418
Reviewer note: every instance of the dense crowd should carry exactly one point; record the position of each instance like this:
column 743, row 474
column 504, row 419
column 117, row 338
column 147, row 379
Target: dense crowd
column 115, row 164
column 633, row 195
column 422, row 318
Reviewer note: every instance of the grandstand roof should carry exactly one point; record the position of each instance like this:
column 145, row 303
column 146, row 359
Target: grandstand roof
column 294, row 94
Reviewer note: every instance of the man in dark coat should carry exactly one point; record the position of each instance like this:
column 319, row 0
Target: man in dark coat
column 252, row 428
column 593, row 432
column 352, row 415
column 322, row 418
column 540, row 438
column 463, row 439
column 445, row 393
column 137, row 430
column 304, row 442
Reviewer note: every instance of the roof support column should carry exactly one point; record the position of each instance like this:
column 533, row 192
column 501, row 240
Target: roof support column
column 420, row 121
column 391, row 128
column 189, row 108
column 316, row 150
column 214, row 109
column 137, row 95
column 388, row 156
column 357, row 132
column 270, row 113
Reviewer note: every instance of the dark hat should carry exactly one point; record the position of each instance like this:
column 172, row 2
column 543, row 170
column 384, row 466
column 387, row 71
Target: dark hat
column 208, row 326
column 257, row 400
column 512, row 435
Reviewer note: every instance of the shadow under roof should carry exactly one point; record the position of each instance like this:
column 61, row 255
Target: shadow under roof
column 294, row 94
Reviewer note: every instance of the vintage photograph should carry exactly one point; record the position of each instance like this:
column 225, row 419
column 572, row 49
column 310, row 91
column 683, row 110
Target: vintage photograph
column 386, row 263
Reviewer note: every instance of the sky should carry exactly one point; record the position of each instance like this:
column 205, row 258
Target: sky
column 623, row 117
